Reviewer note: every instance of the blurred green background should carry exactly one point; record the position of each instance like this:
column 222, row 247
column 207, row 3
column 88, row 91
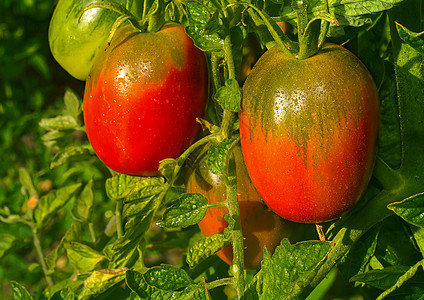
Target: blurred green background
column 32, row 86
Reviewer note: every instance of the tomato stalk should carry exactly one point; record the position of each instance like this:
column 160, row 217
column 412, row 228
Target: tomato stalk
column 220, row 282
column 237, row 234
column 232, row 196
column 40, row 254
column 92, row 232
column 282, row 41
column 389, row 178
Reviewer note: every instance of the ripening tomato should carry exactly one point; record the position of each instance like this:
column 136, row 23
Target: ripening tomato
column 309, row 132
column 260, row 226
column 142, row 98
column 74, row 39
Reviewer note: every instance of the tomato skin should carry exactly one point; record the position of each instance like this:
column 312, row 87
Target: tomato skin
column 261, row 227
column 142, row 98
column 74, row 41
column 309, row 132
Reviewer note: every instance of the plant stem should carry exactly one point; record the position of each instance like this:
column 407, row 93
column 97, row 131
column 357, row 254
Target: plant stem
column 389, row 178
column 219, row 282
column 282, row 41
column 40, row 254
column 92, row 232
column 228, row 55
column 118, row 214
column 237, row 234
column 215, row 71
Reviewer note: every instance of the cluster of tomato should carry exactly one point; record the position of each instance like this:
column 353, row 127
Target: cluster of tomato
column 308, row 127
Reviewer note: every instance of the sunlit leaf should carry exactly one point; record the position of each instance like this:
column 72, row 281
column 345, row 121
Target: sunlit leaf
column 52, row 202
column 71, row 154
column 83, row 204
column 229, row 96
column 206, row 247
column 20, row 292
column 188, row 210
column 290, row 265
column 82, row 257
column 101, row 281
column 411, row 209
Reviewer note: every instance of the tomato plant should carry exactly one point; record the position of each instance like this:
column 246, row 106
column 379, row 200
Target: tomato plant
column 142, row 99
column 261, row 227
column 75, row 37
column 94, row 233
column 309, row 132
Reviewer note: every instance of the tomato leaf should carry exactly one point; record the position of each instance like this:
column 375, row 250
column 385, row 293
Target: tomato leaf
column 167, row 168
column 82, row 257
column 217, row 156
column 411, row 209
column 7, row 241
column 52, row 202
column 229, row 96
column 20, row 292
column 26, row 181
column 356, row 260
column 60, row 123
column 413, row 39
column 72, row 104
column 122, row 186
column 71, row 154
column 167, row 277
column 71, row 234
column 381, row 279
column 83, row 205
column 206, row 247
column 348, row 13
column 396, row 281
column 188, row 209
column 290, row 265
column 199, row 17
column 101, row 281
column 63, row 294
column 139, row 283
column 138, row 216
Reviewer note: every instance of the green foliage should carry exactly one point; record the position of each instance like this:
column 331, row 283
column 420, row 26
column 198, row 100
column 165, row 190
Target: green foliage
column 188, row 209
column 71, row 229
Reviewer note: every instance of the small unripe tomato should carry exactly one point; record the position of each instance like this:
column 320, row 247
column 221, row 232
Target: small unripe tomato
column 309, row 131
column 260, row 226
column 142, row 98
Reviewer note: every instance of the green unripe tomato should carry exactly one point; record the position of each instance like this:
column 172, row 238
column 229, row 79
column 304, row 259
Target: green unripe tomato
column 74, row 41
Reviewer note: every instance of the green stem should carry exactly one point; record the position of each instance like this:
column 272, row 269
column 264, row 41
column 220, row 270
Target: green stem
column 389, row 178
column 217, row 204
column 40, row 254
column 219, row 282
column 215, row 71
column 228, row 117
column 228, row 55
column 183, row 157
column 118, row 214
column 92, row 232
column 282, row 41
column 237, row 234
column 325, row 28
